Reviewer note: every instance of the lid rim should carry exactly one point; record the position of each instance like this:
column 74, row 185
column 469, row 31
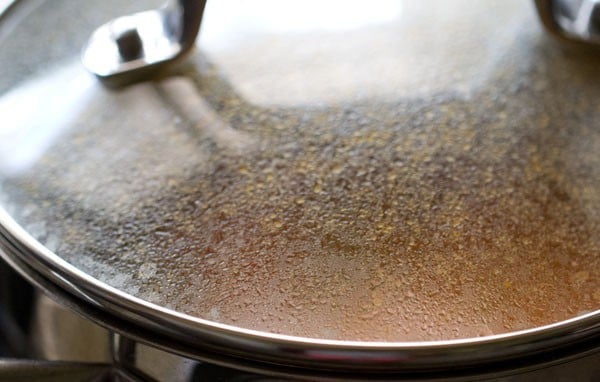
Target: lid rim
column 16, row 243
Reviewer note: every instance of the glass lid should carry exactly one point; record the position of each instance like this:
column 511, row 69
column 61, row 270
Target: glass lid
column 390, row 171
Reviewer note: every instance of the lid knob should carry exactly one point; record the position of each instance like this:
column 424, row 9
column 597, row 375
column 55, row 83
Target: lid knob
column 131, row 48
column 149, row 41
column 572, row 20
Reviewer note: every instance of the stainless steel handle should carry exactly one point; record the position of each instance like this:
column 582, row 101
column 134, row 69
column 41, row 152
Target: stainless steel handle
column 131, row 48
column 571, row 20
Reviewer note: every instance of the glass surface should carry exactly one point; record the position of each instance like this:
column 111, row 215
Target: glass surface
column 421, row 170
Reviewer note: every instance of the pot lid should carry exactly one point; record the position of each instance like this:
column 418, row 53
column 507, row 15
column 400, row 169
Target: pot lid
column 406, row 171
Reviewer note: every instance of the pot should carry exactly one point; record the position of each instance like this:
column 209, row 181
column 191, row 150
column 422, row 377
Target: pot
column 272, row 206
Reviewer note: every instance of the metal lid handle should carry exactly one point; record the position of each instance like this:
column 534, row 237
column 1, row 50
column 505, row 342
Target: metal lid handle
column 572, row 20
column 132, row 47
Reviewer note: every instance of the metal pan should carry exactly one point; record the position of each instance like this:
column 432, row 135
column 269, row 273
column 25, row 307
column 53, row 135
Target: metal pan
column 158, row 210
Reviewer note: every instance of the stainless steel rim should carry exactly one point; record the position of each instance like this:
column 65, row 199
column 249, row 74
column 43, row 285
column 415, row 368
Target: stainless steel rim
column 294, row 351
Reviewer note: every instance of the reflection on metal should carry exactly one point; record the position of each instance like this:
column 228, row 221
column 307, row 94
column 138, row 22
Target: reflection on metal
column 132, row 47
column 134, row 361
column 129, row 48
column 4, row 4
column 48, row 371
column 573, row 20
